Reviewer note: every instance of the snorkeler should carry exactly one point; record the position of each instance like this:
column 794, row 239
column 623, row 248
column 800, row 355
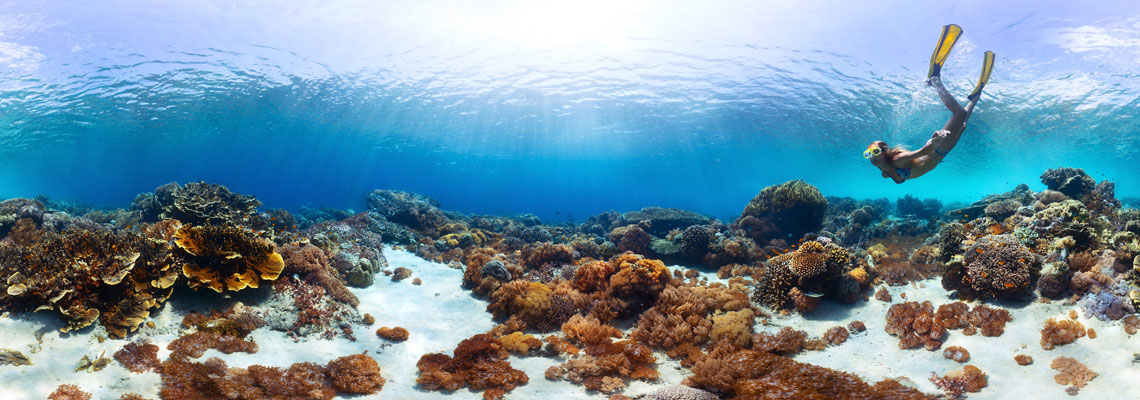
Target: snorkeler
column 901, row 165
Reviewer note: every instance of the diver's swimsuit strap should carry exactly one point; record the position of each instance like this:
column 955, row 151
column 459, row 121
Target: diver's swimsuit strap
column 904, row 173
column 941, row 152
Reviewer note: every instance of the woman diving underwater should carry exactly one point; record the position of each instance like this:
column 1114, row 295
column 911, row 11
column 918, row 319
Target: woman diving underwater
column 901, row 165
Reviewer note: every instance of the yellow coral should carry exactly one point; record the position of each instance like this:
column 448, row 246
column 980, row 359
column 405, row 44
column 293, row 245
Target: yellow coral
column 226, row 258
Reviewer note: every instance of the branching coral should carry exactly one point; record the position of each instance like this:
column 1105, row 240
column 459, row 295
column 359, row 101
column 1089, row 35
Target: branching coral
column 680, row 320
column 733, row 328
column 226, row 257
column 479, row 363
column 1061, row 332
column 749, row 374
column 87, row 276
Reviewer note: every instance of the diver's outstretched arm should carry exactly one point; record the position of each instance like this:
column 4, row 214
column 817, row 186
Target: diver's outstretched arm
column 947, row 98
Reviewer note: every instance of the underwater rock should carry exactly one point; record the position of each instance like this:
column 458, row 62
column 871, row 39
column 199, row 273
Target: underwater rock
column 661, row 220
column 495, row 269
column 787, row 210
column 1073, row 182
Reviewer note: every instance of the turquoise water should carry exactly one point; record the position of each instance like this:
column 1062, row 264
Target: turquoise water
column 552, row 108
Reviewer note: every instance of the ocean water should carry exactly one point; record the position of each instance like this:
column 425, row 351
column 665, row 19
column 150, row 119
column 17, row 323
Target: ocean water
column 555, row 109
column 565, row 110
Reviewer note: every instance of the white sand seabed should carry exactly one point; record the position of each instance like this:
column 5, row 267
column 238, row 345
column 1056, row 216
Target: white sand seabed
column 439, row 314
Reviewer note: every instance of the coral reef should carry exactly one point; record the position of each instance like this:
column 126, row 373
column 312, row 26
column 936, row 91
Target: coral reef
column 790, row 209
column 225, row 257
column 197, row 203
column 814, row 270
column 1072, row 182
column 995, row 266
column 661, row 220
column 116, row 279
column 1056, row 333
column 183, row 379
column 680, row 392
column 479, row 363
column 520, row 343
column 310, row 264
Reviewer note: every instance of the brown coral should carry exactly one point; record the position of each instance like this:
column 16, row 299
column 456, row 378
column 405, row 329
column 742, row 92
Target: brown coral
column 733, row 328
column 638, row 282
column 955, row 383
column 310, row 264
column 593, row 276
column 1061, row 332
column 1023, row 359
column 479, row 363
column 537, row 256
column 914, row 324
column 1072, row 372
column 137, row 357
column 787, row 341
column 606, row 366
column 953, row 315
column 589, row 330
column 1131, row 324
column 836, row 335
column 527, row 302
column 989, row 320
column 520, row 343
column 749, row 374
column 115, row 278
column 809, row 260
column 395, row 334
column 226, row 257
column 956, row 353
column 355, row 374
column 69, row 392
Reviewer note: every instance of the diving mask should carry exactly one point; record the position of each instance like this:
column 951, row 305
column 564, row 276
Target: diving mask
column 871, row 152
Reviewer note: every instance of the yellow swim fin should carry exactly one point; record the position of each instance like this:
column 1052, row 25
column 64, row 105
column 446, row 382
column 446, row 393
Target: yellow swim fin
column 987, row 68
column 950, row 35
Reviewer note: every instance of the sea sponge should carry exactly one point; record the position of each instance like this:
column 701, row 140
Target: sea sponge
column 69, row 392
column 138, row 358
column 750, row 374
column 355, row 374
column 997, row 266
column 309, row 263
column 479, row 363
column 226, row 257
column 914, row 324
column 790, row 209
column 1061, row 332
column 395, row 334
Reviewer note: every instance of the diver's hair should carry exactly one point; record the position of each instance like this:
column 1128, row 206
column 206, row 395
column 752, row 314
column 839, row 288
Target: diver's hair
column 889, row 153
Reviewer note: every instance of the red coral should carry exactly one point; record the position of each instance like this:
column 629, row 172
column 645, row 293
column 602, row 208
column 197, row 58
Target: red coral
column 479, row 363
column 356, row 374
column 69, row 392
column 137, row 357
column 310, row 264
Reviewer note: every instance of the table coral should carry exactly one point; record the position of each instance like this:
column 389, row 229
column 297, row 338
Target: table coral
column 226, row 257
column 355, row 374
column 1072, row 372
column 479, row 363
column 750, row 374
column 1061, row 332
column 138, row 357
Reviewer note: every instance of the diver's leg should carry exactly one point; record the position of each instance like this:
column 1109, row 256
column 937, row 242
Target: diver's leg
column 947, row 98
column 956, row 125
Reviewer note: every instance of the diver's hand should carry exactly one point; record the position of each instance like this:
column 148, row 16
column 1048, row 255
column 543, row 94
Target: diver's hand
column 939, row 136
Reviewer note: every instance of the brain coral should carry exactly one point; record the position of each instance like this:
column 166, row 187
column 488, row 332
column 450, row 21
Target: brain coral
column 790, row 209
column 226, row 257
column 997, row 266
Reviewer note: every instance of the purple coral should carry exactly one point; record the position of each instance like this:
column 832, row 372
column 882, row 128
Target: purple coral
column 1109, row 304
